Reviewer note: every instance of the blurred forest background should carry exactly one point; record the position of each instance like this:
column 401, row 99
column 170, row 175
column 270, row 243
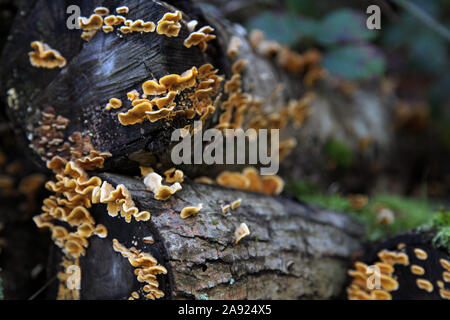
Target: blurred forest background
column 408, row 56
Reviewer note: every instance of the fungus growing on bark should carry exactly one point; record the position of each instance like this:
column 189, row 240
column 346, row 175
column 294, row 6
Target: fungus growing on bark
column 110, row 20
column 233, row 180
column 417, row 270
column 88, row 35
column 425, row 285
column 107, row 29
column 420, row 254
column 272, row 185
column 94, row 22
column 385, row 216
column 169, row 24
column 125, row 29
column 45, row 57
column 113, row 103
column 101, row 11
column 392, row 257
column 164, row 192
column 235, row 204
column 189, row 211
column 233, row 47
column 200, row 38
column 153, row 182
column 359, row 290
column 225, row 208
column 174, row 175
column 147, row 268
column 135, row 115
column 119, row 200
column 238, row 66
column 122, row 10
column 148, row 239
column 445, row 264
column 133, row 95
column 204, row 180
column 172, row 86
column 241, row 232
column 250, row 180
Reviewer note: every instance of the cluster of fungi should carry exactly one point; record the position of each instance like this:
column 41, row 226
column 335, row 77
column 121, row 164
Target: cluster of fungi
column 198, row 93
column 380, row 280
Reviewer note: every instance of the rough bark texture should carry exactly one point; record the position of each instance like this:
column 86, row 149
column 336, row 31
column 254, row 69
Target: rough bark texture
column 434, row 271
column 110, row 66
column 293, row 251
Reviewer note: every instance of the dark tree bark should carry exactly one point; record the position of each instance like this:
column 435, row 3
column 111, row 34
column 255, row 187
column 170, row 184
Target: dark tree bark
column 294, row 250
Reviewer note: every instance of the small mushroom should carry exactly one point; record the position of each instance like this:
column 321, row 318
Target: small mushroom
column 417, row 270
column 420, row 254
column 425, row 285
column 189, row 211
column 45, row 57
column 101, row 11
column 235, row 204
column 94, row 22
column 122, row 10
column 241, row 232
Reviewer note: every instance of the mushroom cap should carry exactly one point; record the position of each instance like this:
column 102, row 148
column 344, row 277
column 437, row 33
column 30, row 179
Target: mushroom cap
column 94, row 22
column 241, row 232
column 189, row 211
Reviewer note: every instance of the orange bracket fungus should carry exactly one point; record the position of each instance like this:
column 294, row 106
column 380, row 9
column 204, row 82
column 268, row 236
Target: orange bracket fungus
column 250, row 180
column 174, row 175
column 169, row 24
column 200, row 38
column 420, row 254
column 101, row 11
column 122, row 10
column 45, row 57
column 94, row 22
column 189, row 211
column 153, row 182
column 147, row 268
column 113, row 104
column 197, row 85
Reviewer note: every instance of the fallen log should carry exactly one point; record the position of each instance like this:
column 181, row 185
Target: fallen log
column 294, row 251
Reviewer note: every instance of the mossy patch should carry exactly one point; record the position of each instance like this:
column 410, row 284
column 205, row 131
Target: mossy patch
column 339, row 153
column 408, row 213
column 441, row 224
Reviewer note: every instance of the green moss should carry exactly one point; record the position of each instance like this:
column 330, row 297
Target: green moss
column 441, row 223
column 339, row 152
column 409, row 213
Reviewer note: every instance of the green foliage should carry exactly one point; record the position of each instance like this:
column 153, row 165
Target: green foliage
column 283, row 28
column 355, row 62
column 408, row 213
column 441, row 223
column 343, row 26
column 342, row 33
column 339, row 152
column 426, row 50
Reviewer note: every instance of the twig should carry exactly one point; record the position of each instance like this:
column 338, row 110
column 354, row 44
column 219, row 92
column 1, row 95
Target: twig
column 424, row 17
column 42, row 289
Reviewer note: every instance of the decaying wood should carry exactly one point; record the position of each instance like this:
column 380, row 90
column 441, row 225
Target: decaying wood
column 293, row 251
column 110, row 66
